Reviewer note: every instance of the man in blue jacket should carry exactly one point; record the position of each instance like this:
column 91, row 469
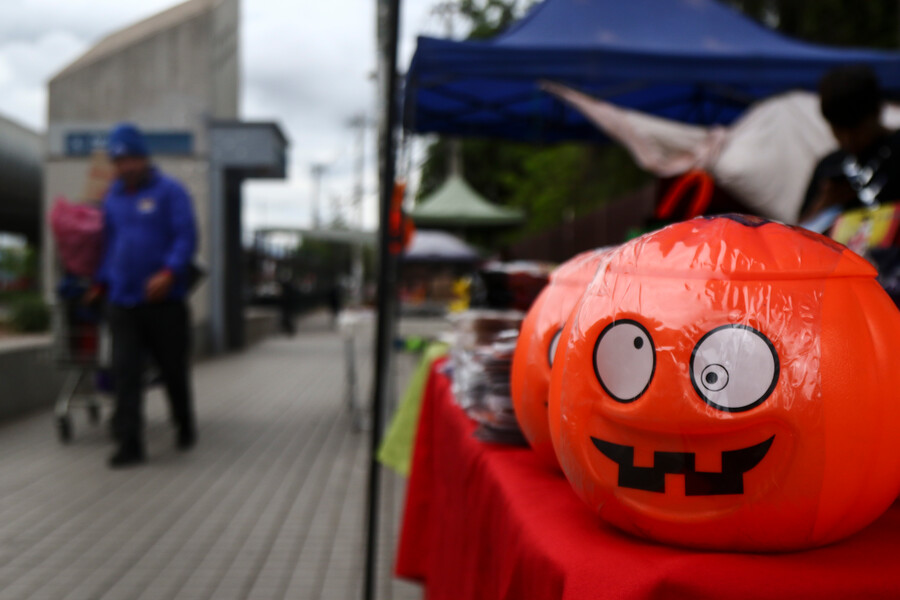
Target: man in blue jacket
column 150, row 242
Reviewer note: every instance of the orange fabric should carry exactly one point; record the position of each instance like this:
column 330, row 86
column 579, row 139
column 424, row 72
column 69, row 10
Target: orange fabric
column 401, row 226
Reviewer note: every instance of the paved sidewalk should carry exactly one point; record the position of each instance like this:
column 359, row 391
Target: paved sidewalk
column 269, row 505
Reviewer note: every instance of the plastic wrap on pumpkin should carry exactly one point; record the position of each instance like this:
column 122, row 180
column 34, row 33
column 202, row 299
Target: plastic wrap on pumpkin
column 730, row 383
column 537, row 345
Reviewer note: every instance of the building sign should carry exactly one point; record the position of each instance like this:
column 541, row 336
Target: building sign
column 83, row 143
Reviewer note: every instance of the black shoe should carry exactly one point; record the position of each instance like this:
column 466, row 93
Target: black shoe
column 186, row 439
column 127, row 456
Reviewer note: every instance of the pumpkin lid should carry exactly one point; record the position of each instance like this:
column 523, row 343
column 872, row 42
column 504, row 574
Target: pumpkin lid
column 737, row 247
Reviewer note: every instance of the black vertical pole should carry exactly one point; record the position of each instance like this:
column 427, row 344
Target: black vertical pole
column 388, row 14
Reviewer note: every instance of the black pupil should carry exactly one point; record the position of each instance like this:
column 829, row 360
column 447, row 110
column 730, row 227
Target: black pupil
column 711, row 378
column 638, row 343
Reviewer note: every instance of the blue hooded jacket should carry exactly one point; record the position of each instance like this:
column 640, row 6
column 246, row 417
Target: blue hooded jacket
column 148, row 230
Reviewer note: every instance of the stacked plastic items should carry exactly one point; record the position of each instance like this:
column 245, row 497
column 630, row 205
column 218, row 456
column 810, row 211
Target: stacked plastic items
column 481, row 359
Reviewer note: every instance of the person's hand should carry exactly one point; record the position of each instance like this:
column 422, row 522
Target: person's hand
column 159, row 286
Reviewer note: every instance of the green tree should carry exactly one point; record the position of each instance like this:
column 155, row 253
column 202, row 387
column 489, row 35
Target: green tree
column 487, row 17
column 19, row 263
column 835, row 22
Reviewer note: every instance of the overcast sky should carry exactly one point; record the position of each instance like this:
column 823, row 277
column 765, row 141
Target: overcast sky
column 305, row 63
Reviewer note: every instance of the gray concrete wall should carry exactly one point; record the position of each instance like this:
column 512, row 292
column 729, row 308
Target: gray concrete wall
column 162, row 81
column 226, row 67
column 176, row 78
column 29, row 376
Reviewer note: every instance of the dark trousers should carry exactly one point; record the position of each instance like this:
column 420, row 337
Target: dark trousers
column 162, row 332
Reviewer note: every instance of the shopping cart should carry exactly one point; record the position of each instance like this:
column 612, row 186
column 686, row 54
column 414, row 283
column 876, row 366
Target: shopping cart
column 81, row 343
column 80, row 334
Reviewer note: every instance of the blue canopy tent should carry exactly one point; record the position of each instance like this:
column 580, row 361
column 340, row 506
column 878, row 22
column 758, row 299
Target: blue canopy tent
column 695, row 61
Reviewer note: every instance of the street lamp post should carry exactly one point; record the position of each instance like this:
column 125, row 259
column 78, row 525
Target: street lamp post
column 317, row 170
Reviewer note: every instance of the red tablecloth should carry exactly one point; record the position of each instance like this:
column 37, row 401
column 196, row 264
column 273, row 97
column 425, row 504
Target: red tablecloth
column 487, row 521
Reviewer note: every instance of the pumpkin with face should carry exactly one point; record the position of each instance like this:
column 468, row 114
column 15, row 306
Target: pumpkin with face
column 536, row 348
column 729, row 383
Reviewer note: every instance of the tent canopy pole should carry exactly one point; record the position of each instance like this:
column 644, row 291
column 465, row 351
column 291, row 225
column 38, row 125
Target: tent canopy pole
column 388, row 14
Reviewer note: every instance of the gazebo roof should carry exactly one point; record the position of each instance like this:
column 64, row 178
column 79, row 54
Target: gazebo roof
column 456, row 204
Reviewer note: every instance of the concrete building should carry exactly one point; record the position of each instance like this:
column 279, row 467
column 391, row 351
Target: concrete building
column 177, row 76
column 21, row 165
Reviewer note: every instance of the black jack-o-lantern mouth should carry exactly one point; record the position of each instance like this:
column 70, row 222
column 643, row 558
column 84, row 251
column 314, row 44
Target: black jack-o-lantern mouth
column 696, row 483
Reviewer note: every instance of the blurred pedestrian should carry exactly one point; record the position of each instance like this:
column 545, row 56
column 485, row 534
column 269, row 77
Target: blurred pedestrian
column 334, row 302
column 288, row 302
column 866, row 166
column 150, row 242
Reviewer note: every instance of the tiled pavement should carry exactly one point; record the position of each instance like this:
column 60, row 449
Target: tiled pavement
column 269, row 505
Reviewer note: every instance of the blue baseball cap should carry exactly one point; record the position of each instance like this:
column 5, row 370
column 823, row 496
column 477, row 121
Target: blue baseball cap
column 125, row 139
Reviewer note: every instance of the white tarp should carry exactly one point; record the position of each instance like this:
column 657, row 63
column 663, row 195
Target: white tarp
column 438, row 246
column 764, row 159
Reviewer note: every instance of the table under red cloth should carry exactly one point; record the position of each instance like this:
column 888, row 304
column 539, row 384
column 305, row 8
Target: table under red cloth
column 488, row 521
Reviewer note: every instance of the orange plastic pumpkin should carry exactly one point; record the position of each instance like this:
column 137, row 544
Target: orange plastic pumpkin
column 537, row 345
column 731, row 383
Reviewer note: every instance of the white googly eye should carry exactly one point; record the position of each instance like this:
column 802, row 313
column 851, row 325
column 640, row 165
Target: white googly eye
column 554, row 343
column 624, row 360
column 734, row 368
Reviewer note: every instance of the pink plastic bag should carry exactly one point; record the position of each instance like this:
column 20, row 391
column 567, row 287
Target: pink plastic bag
column 78, row 231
